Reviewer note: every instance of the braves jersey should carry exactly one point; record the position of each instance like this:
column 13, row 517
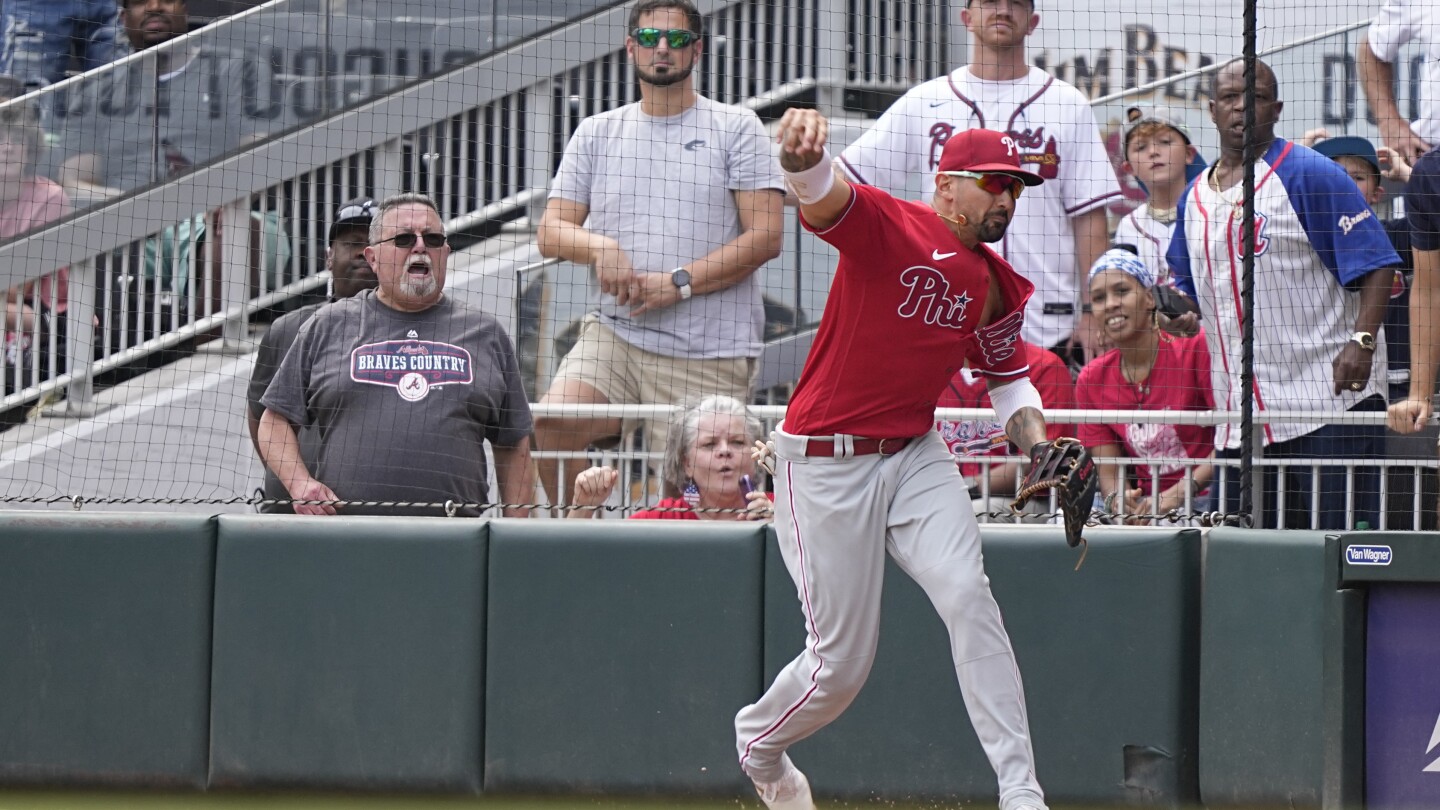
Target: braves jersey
column 1151, row 239
column 902, row 317
column 1059, row 140
column 1179, row 381
column 1315, row 237
column 986, row 437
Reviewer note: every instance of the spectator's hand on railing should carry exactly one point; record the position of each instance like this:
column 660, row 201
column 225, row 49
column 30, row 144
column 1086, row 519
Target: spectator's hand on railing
column 760, row 506
column 309, row 489
column 592, row 488
column 652, row 291
column 615, row 274
column 1409, row 415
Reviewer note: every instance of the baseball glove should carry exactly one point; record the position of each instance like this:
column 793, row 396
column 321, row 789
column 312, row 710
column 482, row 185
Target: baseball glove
column 1065, row 466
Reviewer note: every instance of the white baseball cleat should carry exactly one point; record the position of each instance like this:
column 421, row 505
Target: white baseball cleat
column 790, row 792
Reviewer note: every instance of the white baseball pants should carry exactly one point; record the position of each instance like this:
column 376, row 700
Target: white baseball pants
column 836, row 518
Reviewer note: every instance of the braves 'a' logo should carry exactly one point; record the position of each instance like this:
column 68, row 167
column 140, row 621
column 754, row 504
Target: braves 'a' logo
column 929, row 298
column 1237, row 234
column 411, row 367
column 940, row 132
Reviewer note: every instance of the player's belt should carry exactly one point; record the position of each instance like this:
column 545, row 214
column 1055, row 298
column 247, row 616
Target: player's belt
column 826, row 448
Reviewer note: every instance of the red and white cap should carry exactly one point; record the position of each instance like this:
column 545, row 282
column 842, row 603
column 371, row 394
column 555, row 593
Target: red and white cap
column 984, row 150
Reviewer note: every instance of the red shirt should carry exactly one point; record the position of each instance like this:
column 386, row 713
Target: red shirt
column 983, row 437
column 902, row 317
column 667, row 509
column 1180, row 381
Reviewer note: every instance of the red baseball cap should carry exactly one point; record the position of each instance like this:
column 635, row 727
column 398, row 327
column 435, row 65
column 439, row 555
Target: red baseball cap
column 984, row 150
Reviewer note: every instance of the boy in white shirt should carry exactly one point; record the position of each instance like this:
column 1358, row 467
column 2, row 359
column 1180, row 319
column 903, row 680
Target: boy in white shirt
column 1159, row 153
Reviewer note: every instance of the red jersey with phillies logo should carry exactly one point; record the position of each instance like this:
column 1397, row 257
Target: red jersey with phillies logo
column 903, row 316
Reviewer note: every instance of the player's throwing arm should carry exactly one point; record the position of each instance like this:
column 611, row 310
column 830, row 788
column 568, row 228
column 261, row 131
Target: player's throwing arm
column 822, row 193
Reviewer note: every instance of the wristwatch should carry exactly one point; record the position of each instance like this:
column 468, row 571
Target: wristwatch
column 1365, row 339
column 681, row 277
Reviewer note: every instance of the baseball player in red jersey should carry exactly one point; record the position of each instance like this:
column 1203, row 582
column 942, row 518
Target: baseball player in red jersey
column 859, row 468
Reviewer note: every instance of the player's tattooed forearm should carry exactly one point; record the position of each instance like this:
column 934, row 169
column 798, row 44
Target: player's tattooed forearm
column 1026, row 428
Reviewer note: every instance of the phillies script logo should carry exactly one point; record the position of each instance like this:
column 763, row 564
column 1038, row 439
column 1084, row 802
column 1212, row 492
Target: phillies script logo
column 929, row 298
column 411, row 367
column 999, row 339
column 1237, row 234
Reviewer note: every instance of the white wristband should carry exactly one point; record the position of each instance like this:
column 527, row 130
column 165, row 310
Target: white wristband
column 1012, row 396
column 811, row 185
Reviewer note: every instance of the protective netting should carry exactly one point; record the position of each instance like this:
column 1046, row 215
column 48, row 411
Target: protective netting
column 621, row 249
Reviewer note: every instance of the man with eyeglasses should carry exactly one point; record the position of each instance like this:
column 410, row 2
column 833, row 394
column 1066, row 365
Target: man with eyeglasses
column 675, row 201
column 350, row 274
column 1060, row 229
column 859, row 467
column 403, row 385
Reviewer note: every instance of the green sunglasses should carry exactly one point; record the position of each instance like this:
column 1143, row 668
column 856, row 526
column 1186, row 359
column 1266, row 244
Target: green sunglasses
column 676, row 38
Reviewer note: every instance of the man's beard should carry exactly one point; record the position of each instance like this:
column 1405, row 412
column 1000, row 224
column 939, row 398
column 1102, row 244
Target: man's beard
column 676, row 76
column 420, row 287
column 992, row 229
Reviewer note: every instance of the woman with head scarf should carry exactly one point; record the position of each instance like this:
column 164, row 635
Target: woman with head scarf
column 1147, row 369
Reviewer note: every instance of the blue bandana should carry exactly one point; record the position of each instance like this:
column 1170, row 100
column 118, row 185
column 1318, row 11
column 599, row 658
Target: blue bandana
column 1126, row 262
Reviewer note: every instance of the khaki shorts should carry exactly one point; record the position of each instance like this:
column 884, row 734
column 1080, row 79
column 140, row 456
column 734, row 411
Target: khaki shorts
column 626, row 375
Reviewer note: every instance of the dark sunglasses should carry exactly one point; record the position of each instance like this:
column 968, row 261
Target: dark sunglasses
column 407, row 240
column 676, row 38
column 994, row 183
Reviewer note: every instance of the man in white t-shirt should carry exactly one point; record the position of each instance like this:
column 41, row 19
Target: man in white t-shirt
column 1398, row 23
column 675, row 201
column 1059, row 228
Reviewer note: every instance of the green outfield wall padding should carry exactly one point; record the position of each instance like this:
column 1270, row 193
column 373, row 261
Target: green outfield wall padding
column 619, row 652
column 349, row 653
column 105, row 648
column 1108, row 655
column 1263, row 636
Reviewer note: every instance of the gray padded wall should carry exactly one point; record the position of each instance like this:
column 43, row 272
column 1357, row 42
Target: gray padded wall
column 105, row 669
column 349, row 652
column 1262, row 693
column 619, row 652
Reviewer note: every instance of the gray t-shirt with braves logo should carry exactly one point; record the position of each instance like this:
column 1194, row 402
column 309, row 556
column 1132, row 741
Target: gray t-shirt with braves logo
column 402, row 402
column 663, row 187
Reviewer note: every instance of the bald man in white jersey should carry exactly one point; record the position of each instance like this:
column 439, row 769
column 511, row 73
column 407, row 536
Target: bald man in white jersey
column 1322, row 272
column 1060, row 229
column 859, row 467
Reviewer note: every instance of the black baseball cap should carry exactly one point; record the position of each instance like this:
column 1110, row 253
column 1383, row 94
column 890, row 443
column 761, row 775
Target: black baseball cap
column 359, row 211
